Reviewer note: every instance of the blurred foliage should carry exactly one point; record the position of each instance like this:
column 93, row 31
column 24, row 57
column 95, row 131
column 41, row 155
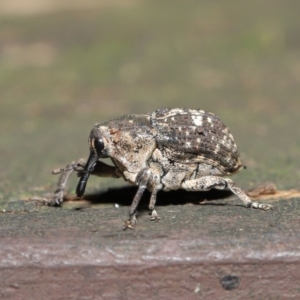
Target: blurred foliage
column 60, row 72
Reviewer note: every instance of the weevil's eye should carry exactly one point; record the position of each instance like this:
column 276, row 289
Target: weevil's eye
column 99, row 145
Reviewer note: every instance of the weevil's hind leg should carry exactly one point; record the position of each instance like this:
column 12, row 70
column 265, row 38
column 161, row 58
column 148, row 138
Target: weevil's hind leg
column 63, row 179
column 209, row 182
column 142, row 180
column 247, row 201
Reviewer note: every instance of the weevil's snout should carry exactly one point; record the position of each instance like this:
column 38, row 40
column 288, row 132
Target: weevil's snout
column 89, row 167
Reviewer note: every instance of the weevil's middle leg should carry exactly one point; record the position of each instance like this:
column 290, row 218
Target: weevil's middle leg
column 142, row 180
column 154, row 215
column 156, row 186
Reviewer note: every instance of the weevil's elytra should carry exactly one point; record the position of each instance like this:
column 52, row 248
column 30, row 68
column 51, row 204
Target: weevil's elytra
column 197, row 136
column 166, row 150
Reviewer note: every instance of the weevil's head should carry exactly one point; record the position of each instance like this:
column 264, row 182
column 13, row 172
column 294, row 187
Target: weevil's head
column 99, row 142
column 123, row 139
column 97, row 150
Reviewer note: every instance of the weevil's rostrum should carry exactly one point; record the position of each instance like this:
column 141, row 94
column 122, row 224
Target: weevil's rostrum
column 166, row 150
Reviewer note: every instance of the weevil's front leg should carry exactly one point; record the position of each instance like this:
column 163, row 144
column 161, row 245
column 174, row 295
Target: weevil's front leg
column 209, row 182
column 141, row 180
column 62, row 181
column 100, row 169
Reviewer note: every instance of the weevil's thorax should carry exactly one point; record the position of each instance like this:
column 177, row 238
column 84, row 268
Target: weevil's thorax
column 129, row 141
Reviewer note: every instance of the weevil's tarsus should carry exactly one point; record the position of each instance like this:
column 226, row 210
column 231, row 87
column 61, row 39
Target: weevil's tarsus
column 130, row 223
column 154, row 216
column 261, row 206
column 242, row 195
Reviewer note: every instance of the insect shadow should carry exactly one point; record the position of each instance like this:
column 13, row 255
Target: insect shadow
column 124, row 196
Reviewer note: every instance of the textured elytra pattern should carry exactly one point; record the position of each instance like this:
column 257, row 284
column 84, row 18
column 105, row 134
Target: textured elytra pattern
column 196, row 136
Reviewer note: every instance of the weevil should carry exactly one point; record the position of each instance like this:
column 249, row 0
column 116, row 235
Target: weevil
column 168, row 149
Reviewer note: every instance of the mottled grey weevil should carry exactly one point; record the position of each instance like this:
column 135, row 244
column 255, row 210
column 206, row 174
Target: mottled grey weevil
column 167, row 150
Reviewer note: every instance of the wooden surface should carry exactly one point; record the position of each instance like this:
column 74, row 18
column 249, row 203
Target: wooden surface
column 218, row 250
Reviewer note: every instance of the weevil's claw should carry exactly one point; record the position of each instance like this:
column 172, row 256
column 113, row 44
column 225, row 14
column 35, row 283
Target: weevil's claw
column 267, row 207
column 130, row 223
column 261, row 206
column 58, row 199
column 154, row 216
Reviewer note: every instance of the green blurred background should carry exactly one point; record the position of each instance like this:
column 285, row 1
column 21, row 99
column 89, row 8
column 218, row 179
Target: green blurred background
column 66, row 66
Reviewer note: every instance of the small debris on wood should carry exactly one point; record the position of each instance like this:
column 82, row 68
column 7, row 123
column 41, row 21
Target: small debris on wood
column 266, row 188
